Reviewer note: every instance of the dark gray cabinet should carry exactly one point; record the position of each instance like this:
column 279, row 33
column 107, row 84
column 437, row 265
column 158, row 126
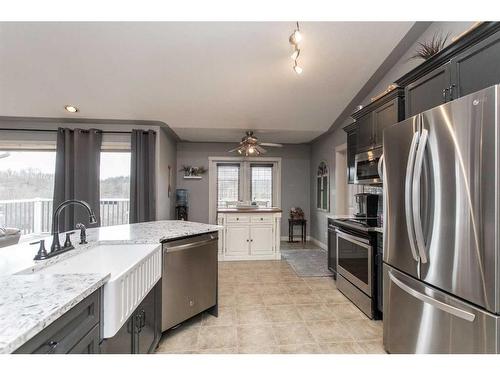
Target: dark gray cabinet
column 476, row 68
column 468, row 65
column 385, row 115
column 77, row 331
column 142, row 331
column 351, row 151
column 365, row 133
column 428, row 91
column 375, row 117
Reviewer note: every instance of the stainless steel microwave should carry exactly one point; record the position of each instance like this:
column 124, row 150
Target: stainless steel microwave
column 367, row 167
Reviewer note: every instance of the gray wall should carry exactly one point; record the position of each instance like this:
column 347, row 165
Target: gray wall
column 167, row 156
column 324, row 147
column 295, row 160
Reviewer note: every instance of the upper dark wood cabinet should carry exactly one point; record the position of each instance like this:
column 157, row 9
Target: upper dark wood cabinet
column 384, row 116
column 375, row 117
column 351, row 151
column 428, row 91
column 465, row 66
column 476, row 68
column 364, row 132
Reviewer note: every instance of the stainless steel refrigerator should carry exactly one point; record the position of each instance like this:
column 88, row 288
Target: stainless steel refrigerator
column 441, row 228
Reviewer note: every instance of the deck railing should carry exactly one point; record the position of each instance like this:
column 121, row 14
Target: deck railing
column 35, row 215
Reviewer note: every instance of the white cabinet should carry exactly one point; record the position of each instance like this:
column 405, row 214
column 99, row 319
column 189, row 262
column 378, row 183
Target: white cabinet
column 237, row 240
column 261, row 239
column 248, row 236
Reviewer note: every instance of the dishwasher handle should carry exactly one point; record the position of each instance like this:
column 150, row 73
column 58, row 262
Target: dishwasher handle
column 190, row 245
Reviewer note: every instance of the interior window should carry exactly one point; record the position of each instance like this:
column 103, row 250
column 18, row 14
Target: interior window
column 228, row 184
column 26, row 190
column 262, row 184
column 115, row 187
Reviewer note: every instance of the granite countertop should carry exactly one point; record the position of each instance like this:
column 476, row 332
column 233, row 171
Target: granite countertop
column 249, row 210
column 30, row 301
column 19, row 258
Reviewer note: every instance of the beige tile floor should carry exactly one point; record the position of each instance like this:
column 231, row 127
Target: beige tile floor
column 266, row 308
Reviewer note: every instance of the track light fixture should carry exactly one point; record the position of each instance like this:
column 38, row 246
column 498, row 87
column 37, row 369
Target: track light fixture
column 294, row 39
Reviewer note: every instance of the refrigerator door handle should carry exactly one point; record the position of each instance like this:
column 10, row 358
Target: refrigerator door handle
column 433, row 302
column 408, row 195
column 417, row 173
column 380, row 164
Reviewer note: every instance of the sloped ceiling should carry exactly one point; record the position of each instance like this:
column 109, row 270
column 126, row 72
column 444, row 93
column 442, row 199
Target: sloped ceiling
column 209, row 81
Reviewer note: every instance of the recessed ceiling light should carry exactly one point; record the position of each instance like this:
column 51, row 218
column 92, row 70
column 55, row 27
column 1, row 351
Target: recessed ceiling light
column 71, row 108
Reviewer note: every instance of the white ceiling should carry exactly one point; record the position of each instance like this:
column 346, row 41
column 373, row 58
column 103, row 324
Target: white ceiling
column 207, row 81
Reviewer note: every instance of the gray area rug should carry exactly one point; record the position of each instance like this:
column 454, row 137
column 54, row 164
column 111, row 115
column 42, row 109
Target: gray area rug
column 307, row 262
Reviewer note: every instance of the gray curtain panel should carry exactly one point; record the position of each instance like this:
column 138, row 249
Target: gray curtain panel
column 143, row 176
column 78, row 160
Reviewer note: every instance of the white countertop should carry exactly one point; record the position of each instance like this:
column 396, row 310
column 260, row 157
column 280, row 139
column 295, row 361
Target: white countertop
column 30, row 302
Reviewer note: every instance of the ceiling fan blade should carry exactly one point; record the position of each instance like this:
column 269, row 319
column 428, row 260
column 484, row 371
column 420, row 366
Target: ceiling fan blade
column 234, row 149
column 260, row 149
column 271, row 144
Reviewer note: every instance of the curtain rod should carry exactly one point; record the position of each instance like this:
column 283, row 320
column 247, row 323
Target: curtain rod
column 55, row 130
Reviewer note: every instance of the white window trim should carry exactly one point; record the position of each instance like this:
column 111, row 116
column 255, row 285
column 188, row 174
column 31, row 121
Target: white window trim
column 244, row 182
column 327, row 209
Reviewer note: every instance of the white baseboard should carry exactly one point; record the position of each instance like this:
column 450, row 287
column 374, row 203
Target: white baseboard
column 319, row 244
column 285, row 238
column 309, row 238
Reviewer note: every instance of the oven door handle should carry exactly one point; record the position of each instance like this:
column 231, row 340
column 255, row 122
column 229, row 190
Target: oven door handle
column 359, row 241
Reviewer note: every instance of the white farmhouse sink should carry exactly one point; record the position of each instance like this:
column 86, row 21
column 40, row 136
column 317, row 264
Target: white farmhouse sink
column 134, row 269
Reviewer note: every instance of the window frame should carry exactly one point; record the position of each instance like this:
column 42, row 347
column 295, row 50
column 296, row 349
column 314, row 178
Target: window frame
column 321, row 173
column 245, row 179
column 217, row 181
column 257, row 165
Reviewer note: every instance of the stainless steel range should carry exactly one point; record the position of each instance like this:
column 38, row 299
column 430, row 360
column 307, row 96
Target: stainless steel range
column 358, row 265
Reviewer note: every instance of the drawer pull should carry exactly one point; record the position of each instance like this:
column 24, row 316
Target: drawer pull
column 53, row 345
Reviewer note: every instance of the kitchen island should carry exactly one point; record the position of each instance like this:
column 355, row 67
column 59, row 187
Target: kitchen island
column 31, row 300
column 249, row 233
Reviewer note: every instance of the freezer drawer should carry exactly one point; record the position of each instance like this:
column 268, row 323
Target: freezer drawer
column 421, row 319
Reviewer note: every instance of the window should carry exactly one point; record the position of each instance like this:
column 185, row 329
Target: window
column 27, row 189
column 114, row 187
column 322, row 192
column 262, row 184
column 246, row 180
column 228, row 184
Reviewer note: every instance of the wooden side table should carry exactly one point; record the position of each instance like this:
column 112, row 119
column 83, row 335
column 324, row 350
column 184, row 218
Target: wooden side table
column 303, row 225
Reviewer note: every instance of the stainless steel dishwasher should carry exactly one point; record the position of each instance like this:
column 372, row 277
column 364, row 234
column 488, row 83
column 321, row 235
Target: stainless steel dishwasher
column 189, row 278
